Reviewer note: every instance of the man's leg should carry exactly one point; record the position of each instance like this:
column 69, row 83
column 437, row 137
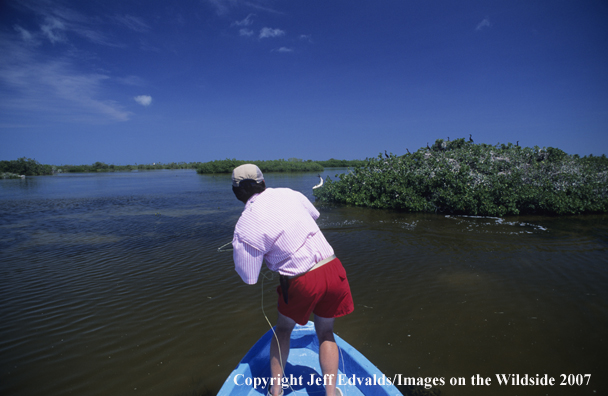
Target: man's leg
column 277, row 362
column 328, row 352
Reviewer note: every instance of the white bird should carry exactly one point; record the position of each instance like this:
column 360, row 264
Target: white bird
column 320, row 184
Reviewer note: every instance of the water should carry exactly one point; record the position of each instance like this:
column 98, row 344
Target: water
column 112, row 284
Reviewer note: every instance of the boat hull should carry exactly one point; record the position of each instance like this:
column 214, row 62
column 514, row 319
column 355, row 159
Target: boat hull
column 356, row 375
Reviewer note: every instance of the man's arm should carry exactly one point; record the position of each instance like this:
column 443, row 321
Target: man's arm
column 247, row 261
column 309, row 206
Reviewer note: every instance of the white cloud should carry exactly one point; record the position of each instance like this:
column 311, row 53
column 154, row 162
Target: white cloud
column 246, row 32
column 144, row 100
column 269, row 32
column 285, row 49
column 483, row 24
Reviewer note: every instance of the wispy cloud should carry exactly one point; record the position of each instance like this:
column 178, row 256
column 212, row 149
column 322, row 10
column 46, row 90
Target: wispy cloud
column 59, row 22
column 144, row 100
column 41, row 67
column 134, row 23
column 27, row 36
column 223, row 7
column 131, row 80
column 269, row 32
column 36, row 84
column 248, row 21
column 284, row 49
column 246, row 32
column 54, row 30
column 258, row 6
column 483, row 24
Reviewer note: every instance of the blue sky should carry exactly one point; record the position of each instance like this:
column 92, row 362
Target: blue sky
column 127, row 82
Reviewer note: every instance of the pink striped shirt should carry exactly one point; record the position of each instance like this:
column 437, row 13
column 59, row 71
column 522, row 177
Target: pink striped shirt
column 278, row 225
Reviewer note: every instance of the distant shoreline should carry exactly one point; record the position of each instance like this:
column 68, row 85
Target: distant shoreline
column 30, row 167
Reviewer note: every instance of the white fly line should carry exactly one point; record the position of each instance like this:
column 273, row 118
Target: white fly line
column 223, row 248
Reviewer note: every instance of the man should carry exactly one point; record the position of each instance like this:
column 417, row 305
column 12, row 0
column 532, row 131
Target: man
column 278, row 225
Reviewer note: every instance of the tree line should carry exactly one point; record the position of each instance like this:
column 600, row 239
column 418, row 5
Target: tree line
column 31, row 167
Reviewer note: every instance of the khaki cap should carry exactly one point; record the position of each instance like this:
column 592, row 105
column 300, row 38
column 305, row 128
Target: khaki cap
column 246, row 171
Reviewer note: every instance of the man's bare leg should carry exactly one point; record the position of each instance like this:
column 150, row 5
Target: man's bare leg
column 328, row 352
column 277, row 363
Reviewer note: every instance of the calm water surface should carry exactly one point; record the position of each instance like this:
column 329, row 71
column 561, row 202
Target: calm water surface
column 111, row 284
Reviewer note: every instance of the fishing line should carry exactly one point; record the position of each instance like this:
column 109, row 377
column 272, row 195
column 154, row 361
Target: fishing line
column 264, row 276
column 221, row 248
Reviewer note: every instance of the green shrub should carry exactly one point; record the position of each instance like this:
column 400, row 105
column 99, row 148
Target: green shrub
column 476, row 179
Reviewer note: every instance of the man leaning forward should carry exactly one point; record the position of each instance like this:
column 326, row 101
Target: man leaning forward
column 278, row 226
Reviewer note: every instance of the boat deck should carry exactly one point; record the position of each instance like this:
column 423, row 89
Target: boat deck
column 356, row 375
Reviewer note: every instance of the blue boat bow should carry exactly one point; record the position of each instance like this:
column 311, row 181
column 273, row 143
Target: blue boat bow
column 356, row 375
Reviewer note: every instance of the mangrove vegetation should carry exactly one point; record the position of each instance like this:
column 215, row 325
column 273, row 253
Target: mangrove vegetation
column 103, row 167
column 290, row 165
column 31, row 167
column 335, row 163
column 461, row 177
column 24, row 167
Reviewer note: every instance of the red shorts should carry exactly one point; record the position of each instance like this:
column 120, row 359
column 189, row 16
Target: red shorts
column 323, row 291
